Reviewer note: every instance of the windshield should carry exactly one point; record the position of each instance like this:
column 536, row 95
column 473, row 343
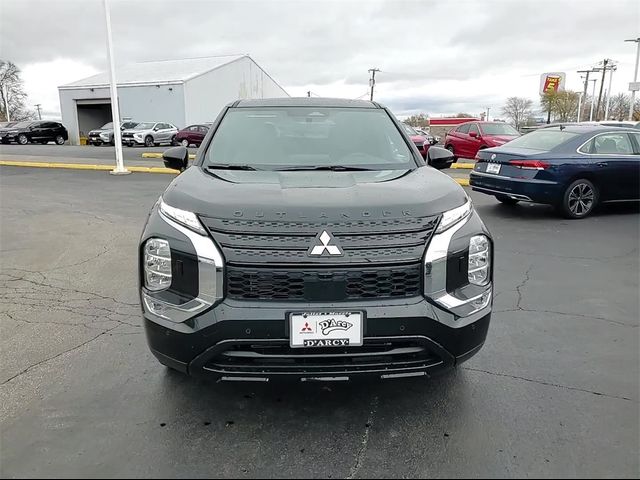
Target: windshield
column 543, row 140
column 498, row 129
column 22, row 124
column 309, row 137
column 107, row 126
column 409, row 129
column 145, row 126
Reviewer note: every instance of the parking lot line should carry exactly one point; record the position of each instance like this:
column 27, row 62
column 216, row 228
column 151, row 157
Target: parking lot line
column 467, row 166
column 83, row 166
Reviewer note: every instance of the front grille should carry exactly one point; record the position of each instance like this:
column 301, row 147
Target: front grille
column 390, row 241
column 330, row 284
column 276, row 357
column 127, row 135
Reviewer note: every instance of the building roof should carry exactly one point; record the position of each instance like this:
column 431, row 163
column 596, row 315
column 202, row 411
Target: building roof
column 447, row 121
column 306, row 102
column 153, row 73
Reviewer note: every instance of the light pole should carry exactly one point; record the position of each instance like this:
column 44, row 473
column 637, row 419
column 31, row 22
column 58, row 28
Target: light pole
column 593, row 97
column 115, row 110
column 606, row 108
column 372, row 80
column 635, row 76
column 579, row 105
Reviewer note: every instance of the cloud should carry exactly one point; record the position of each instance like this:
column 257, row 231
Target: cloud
column 440, row 56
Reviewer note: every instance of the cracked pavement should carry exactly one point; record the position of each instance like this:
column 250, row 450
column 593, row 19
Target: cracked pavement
column 554, row 392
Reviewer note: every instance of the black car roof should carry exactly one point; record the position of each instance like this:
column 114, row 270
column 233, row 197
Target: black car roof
column 306, row 102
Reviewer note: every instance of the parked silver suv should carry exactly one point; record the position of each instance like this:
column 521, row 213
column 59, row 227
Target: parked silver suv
column 149, row 134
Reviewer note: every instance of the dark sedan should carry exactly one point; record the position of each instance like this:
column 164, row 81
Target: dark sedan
column 571, row 167
column 191, row 135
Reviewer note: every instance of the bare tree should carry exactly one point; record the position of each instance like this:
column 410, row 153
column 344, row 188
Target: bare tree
column 421, row 120
column 619, row 106
column 464, row 115
column 12, row 85
column 518, row 110
column 563, row 105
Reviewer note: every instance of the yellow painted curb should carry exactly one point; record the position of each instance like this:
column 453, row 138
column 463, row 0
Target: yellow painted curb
column 467, row 166
column 159, row 155
column 462, row 181
column 83, row 166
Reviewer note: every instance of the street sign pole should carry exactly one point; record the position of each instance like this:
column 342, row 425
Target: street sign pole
column 115, row 110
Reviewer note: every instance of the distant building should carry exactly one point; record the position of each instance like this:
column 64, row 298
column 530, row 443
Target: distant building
column 182, row 92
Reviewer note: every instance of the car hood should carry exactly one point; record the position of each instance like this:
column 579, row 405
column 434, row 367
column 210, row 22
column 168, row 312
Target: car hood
column 136, row 130
column 323, row 196
column 102, row 130
column 418, row 139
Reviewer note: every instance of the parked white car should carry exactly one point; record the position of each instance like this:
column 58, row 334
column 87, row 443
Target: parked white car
column 150, row 134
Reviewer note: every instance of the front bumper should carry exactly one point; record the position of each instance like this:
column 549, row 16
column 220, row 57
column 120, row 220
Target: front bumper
column 528, row 190
column 251, row 342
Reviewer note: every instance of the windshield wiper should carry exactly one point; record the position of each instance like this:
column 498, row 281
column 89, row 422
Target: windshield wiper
column 333, row 168
column 229, row 166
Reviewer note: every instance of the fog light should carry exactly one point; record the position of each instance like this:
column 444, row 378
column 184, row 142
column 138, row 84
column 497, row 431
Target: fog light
column 157, row 264
column 479, row 260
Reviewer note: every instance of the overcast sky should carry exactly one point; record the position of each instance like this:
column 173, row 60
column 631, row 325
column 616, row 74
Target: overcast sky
column 437, row 57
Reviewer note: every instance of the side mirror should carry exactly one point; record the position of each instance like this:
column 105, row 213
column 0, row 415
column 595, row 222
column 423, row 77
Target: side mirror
column 176, row 158
column 155, row 129
column 473, row 134
column 439, row 157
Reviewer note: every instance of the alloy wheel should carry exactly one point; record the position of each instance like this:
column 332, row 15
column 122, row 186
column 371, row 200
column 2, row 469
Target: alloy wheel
column 581, row 199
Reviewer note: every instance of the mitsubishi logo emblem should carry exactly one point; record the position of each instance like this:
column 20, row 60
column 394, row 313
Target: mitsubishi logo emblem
column 325, row 244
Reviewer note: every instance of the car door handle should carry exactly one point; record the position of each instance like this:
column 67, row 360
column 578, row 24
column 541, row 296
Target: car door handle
column 602, row 164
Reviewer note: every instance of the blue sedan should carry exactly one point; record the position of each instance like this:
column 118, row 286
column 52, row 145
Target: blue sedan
column 572, row 167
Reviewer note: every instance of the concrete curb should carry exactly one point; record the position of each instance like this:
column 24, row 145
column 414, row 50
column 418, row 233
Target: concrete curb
column 84, row 166
column 466, row 166
column 159, row 155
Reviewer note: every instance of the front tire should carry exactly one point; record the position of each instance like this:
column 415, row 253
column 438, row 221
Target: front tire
column 60, row 140
column 22, row 139
column 579, row 199
column 184, row 143
column 148, row 141
column 450, row 148
column 506, row 200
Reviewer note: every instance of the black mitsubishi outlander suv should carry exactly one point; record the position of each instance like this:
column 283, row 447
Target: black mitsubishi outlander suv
column 310, row 240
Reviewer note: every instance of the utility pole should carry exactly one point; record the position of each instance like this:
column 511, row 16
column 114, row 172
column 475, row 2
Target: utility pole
column 115, row 110
column 38, row 105
column 606, row 108
column 586, row 85
column 6, row 102
column 372, row 80
column 593, row 96
column 635, row 77
column 309, row 93
column 605, row 62
column 488, row 110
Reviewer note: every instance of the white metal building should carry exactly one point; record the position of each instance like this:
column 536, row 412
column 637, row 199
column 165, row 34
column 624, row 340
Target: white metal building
column 182, row 92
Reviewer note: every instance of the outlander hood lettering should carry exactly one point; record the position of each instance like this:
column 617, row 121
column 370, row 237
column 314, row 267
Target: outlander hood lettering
column 325, row 243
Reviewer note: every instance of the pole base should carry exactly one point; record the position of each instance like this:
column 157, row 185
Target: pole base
column 119, row 172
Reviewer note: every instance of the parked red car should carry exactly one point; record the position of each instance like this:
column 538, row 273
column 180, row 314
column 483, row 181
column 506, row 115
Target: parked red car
column 418, row 139
column 465, row 140
column 191, row 135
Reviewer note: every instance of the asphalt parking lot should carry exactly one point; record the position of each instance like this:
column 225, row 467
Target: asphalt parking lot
column 554, row 392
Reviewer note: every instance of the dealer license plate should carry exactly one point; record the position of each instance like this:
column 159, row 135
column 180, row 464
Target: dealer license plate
column 326, row 329
column 493, row 168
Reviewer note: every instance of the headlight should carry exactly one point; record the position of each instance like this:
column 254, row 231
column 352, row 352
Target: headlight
column 157, row 264
column 479, row 260
column 183, row 217
column 451, row 217
column 104, row 135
